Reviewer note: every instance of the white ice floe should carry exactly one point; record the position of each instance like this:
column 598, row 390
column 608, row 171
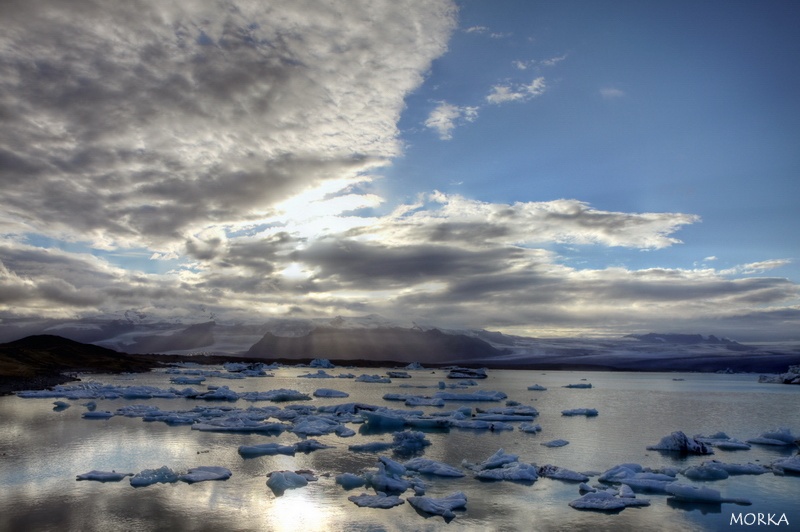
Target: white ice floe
column 350, row 481
column 515, row 412
column 321, row 363
column 781, row 436
column 370, row 447
column 606, row 502
column 265, row 449
column 386, row 482
column 187, row 379
column 204, row 473
column 432, row 467
column 327, row 392
column 588, row 412
column 381, row 500
column 734, row 469
column 163, row 475
column 530, row 428
column 103, row 476
column 720, row 440
column 409, row 442
column 639, row 479
column 276, row 396
column 680, row 442
column 705, row 472
column 513, row 471
column 414, row 366
column 416, row 400
column 308, row 446
column 498, row 459
column 97, row 414
column 481, row 424
column 280, row 481
column 561, row 473
column 373, row 378
column 555, row 443
column 478, row 395
column 537, row 388
column 313, row 425
column 686, row 492
column 789, row 465
column 443, row 506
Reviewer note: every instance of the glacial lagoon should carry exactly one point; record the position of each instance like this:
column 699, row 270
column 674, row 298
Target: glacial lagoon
column 44, row 447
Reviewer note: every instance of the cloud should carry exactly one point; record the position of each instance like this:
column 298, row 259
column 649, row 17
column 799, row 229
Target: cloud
column 445, row 117
column 756, row 267
column 519, row 92
column 611, row 93
column 141, row 123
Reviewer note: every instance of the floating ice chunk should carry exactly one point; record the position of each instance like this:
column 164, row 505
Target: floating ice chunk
column 277, row 396
column 467, row 373
column 561, row 473
column 240, row 425
column 588, row 412
column 320, row 374
column 606, row 502
column 414, row 366
column 383, row 419
column 503, row 417
column 60, row 405
column 478, row 395
column 705, row 472
column 327, row 392
column 204, row 473
column 280, row 481
column 432, row 467
column 781, row 436
column 586, row 488
column 385, row 482
column 374, row 378
column 187, row 379
column 637, row 478
column 314, row 426
column 686, row 492
column 163, row 475
column 321, row 363
column 789, row 465
column 723, row 441
column 344, row 432
column 381, row 500
column 443, row 506
column 498, row 459
column 103, row 476
column 678, row 441
column 480, row 424
column 530, row 428
column 409, row 442
column 416, row 400
column 582, row 385
column 345, row 376
column 737, row 469
column 91, row 406
column 555, row 443
column 398, row 375
column 392, row 467
column 222, row 393
column 262, row 449
column 513, row 471
column 307, row 446
column 537, row 388
column 350, row 481
column 371, row 447
column 97, row 414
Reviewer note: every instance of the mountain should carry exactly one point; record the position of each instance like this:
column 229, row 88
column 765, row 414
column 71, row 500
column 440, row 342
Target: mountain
column 375, row 343
column 192, row 337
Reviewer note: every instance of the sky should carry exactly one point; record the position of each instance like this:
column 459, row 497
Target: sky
column 541, row 168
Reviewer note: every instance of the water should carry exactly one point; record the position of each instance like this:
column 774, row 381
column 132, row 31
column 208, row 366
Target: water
column 41, row 452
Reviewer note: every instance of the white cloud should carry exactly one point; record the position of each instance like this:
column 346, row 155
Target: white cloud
column 756, row 267
column 519, row 92
column 611, row 93
column 446, row 116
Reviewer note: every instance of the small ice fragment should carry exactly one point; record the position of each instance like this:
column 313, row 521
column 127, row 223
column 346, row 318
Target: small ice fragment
column 588, row 412
column 561, row 473
column 60, row 405
column 514, row 471
column 307, row 446
column 249, row 451
column 705, row 472
column 373, row 378
column 104, row 414
column 443, row 506
column 327, row 392
column 530, row 428
column 103, row 476
column 432, row 467
column 781, row 436
column 604, row 501
column 537, row 388
column 203, row 473
column 584, row 385
column 787, row 465
column 321, row 363
column 320, row 374
column 280, row 481
column 398, row 375
column 349, row 481
column 381, row 500
column 555, row 443
column 678, row 441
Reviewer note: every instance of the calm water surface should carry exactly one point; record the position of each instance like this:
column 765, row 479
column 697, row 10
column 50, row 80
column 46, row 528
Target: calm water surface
column 41, row 452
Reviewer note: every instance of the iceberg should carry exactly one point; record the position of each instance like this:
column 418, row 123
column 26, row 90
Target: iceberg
column 606, row 502
column 373, row 378
column 381, row 500
column 785, row 466
column 280, row 481
column 537, row 388
column 498, row 459
column 414, row 366
column 513, row 471
column 478, row 395
column 204, row 473
column 555, row 443
column 443, row 506
column 163, row 475
column 561, row 473
column 680, row 442
column 530, row 428
column 432, row 467
column 320, row 374
column 321, row 363
column 409, row 442
column 398, row 375
column 583, row 385
column 685, row 492
column 251, row 451
column 327, row 392
column 588, row 412
column 103, row 476
column 781, row 436
column 350, row 481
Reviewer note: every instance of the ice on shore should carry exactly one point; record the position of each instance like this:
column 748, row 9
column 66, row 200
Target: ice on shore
column 381, row 500
column 204, row 473
column 680, row 442
column 443, row 506
column 327, row 392
column 685, row 492
column 588, row 412
column 555, row 443
column 432, row 467
column 780, row 436
column 163, row 475
column 606, row 502
column 103, row 476
column 280, row 481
